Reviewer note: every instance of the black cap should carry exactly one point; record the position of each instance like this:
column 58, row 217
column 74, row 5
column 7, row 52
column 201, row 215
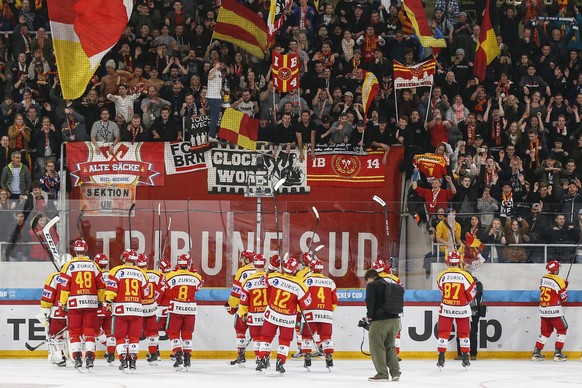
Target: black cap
column 506, row 183
column 360, row 123
column 478, row 136
column 551, row 156
column 359, row 6
column 382, row 119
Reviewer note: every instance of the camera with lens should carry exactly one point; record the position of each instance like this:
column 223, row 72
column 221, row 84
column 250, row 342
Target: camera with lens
column 363, row 323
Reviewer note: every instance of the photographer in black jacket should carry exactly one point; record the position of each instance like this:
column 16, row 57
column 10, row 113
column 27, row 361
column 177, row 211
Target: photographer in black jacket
column 383, row 329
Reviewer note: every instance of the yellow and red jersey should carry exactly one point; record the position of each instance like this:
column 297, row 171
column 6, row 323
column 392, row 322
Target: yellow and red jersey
column 182, row 285
column 458, row 290
column 253, row 299
column 553, row 292
column 239, row 278
column 156, row 284
column 302, row 273
column 102, row 311
column 323, row 294
column 51, row 293
column 127, row 287
column 285, row 294
column 82, row 284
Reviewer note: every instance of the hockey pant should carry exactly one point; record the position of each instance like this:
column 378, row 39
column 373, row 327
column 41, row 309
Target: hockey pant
column 82, row 322
column 150, row 331
column 255, row 332
column 127, row 327
column 268, row 333
column 180, row 329
column 240, row 327
column 57, row 344
column 323, row 330
column 103, row 329
column 547, row 327
column 445, row 325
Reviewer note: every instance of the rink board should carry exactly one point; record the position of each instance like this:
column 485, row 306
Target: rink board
column 508, row 330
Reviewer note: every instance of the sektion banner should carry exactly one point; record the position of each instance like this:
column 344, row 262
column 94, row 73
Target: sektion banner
column 107, row 200
column 124, row 163
column 347, row 170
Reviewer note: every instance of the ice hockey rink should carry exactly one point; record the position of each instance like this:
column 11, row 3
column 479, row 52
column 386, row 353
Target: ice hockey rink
column 32, row 373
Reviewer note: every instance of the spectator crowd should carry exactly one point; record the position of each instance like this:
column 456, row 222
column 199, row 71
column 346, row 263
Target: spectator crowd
column 512, row 143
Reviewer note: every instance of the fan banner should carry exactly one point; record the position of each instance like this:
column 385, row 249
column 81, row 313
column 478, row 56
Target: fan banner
column 347, row 170
column 285, row 70
column 431, row 165
column 181, row 157
column 421, row 74
column 106, row 200
column 123, row 163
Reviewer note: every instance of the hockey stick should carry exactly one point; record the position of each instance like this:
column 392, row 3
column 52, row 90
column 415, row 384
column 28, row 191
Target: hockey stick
column 51, row 246
column 132, row 207
column 79, row 220
column 33, row 348
column 159, row 232
column 166, row 236
column 382, row 203
column 276, row 188
column 314, row 227
column 189, row 235
column 42, row 242
column 572, row 261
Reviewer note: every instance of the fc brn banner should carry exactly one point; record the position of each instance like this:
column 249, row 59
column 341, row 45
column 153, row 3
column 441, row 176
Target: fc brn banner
column 347, row 170
column 182, row 157
column 124, row 163
column 235, row 170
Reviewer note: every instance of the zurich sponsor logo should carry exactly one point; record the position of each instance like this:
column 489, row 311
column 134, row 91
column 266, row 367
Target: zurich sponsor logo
column 309, row 282
column 248, row 285
column 72, row 267
column 276, row 282
column 245, row 275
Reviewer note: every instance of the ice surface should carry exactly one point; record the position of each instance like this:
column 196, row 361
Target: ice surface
column 35, row 373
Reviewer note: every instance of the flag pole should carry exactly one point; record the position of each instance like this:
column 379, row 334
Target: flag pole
column 428, row 104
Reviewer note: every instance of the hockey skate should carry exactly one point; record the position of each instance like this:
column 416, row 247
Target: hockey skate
column 441, row 360
column 261, row 365
column 132, row 362
column 559, row 356
column 307, row 361
column 297, row 354
column 123, row 363
column 62, row 363
column 89, row 361
column 279, row 368
column 179, row 363
column 537, row 355
column 240, row 359
column 78, row 361
column 152, row 359
column 318, row 352
column 466, row 361
column 268, row 360
column 110, row 357
column 329, row 361
column 187, row 362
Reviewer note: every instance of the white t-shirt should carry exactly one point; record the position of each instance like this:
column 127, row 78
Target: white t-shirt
column 214, row 85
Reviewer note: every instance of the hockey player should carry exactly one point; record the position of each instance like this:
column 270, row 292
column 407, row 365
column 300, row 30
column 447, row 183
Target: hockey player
column 156, row 284
column 127, row 287
column 458, row 289
column 165, row 267
column 183, row 283
column 53, row 317
column 103, row 327
column 384, row 269
column 285, row 293
column 319, row 313
column 553, row 292
column 306, row 258
column 253, row 301
column 240, row 326
column 81, row 292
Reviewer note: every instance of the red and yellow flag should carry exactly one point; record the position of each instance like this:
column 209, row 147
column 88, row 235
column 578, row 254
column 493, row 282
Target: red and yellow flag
column 285, row 70
column 83, row 32
column 487, row 48
column 415, row 13
column 238, row 128
column 241, row 26
column 370, row 88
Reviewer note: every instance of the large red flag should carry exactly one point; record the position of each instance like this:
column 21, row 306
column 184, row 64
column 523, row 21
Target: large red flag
column 487, row 49
column 415, row 12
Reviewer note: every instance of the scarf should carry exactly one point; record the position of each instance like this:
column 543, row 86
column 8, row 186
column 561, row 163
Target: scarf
column 134, row 132
column 19, row 142
column 369, row 46
column 435, row 194
column 563, row 131
column 488, row 177
column 179, row 17
column 128, row 62
column 506, row 200
column 471, row 129
column 534, row 147
column 480, row 105
column 496, row 132
column 459, row 111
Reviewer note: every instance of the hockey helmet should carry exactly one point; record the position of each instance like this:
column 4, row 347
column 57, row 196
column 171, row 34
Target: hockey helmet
column 129, row 256
column 259, row 261
column 164, row 265
column 306, row 258
column 101, row 259
column 274, row 262
column 291, row 265
column 142, row 260
column 454, row 258
column 553, row 267
column 184, row 260
column 80, row 247
column 316, row 265
column 246, row 256
column 379, row 265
